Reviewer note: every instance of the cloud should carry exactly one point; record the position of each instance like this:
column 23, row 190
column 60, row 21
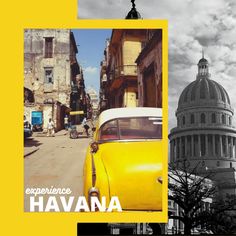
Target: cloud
column 91, row 70
column 193, row 25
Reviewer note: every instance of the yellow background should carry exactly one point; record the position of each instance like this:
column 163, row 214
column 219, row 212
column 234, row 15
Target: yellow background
column 15, row 17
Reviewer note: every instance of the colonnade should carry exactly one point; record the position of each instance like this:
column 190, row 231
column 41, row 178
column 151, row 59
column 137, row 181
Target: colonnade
column 203, row 145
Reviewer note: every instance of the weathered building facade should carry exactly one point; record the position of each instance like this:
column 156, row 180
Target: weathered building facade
column 119, row 69
column 149, row 64
column 50, row 72
column 93, row 100
column 131, row 71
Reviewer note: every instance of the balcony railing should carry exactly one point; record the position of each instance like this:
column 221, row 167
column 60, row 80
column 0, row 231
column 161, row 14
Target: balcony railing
column 125, row 70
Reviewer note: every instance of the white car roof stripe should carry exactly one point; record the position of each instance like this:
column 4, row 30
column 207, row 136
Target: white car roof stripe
column 127, row 112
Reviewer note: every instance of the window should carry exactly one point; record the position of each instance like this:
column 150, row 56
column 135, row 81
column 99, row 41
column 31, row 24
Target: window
column 223, row 119
column 230, row 121
column 48, row 72
column 203, row 118
column 132, row 128
column 48, row 47
column 213, row 118
column 192, row 119
column 183, row 120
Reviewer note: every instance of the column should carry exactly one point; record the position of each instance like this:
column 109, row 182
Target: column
column 180, row 148
column 235, row 148
column 192, row 145
column 172, row 150
column 177, row 148
column 186, row 145
column 199, row 146
column 231, row 147
column 227, row 146
column 206, row 145
column 220, row 146
column 213, row 145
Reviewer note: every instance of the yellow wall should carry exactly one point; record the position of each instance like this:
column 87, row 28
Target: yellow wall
column 131, row 50
column 130, row 97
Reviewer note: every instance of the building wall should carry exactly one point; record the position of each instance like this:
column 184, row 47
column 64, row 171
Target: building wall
column 120, row 88
column 131, row 50
column 35, row 64
column 48, row 73
column 150, row 73
column 130, row 98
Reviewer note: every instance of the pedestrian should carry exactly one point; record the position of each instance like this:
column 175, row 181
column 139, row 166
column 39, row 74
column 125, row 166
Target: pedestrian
column 86, row 126
column 50, row 128
column 66, row 122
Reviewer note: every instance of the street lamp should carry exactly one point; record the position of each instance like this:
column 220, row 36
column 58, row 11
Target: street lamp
column 133, row 13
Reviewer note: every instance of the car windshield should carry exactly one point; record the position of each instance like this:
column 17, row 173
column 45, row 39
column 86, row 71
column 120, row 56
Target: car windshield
column 132, row 128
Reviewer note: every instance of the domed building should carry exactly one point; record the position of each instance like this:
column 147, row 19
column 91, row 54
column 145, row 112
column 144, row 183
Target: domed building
column 204, row 134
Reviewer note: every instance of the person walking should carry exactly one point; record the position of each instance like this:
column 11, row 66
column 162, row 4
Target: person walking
column 86, row 126
column 66, row 122
column 50, row 128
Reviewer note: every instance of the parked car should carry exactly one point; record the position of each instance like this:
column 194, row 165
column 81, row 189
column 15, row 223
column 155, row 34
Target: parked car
column 27, row 129
column 125, row 159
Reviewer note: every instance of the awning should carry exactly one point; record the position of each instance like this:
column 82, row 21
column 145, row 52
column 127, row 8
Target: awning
column 72, row 113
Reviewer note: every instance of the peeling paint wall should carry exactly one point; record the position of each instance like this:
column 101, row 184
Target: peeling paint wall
column 50, row 94
column 36, row 63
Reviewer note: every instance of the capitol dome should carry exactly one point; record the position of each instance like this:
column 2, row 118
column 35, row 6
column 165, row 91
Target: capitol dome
column 204, row 131
column 204, row 91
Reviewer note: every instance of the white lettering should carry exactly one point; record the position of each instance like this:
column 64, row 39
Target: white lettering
column 67, row 206
column 34, row 203
column 52, row 204
column 37, row 204
column 114, row 204
column 96, row 203
column 82, row 204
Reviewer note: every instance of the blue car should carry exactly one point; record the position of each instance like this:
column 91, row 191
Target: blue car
column 27, row 129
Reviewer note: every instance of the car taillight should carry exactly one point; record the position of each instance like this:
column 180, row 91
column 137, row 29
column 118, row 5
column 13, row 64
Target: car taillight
column 94, row 147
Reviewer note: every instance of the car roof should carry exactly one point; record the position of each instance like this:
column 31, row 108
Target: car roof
column 127, row 112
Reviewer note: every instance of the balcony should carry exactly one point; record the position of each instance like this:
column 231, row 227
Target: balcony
column 121, row 71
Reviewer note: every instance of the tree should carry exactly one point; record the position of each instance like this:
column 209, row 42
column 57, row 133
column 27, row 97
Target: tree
column 190, row 191
column 223, row 216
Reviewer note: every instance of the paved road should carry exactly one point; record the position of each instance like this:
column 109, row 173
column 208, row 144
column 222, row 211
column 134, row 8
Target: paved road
column 55, row 161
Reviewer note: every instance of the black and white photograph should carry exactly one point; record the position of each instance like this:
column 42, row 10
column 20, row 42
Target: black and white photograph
column 202, row 102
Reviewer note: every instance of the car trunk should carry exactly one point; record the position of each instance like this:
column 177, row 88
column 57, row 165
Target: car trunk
column 133, row 169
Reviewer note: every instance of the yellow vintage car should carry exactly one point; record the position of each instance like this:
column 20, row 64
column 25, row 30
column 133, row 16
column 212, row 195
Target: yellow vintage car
column 125, row 159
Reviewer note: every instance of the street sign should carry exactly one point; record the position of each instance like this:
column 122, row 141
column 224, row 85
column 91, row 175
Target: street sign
column 76, row 113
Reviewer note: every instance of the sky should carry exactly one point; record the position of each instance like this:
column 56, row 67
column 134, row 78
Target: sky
column 193, row 25
column 91, row 45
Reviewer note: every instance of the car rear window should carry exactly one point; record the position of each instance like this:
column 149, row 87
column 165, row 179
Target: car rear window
column 132, row 128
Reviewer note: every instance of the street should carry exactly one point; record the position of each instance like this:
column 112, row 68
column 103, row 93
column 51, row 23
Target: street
column 54, row 161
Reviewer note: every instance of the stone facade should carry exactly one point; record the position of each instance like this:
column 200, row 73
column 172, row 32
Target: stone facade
column 50, row 68
column 131, row 72
column 119, row 69
column 94, row 100
column 149, row 64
